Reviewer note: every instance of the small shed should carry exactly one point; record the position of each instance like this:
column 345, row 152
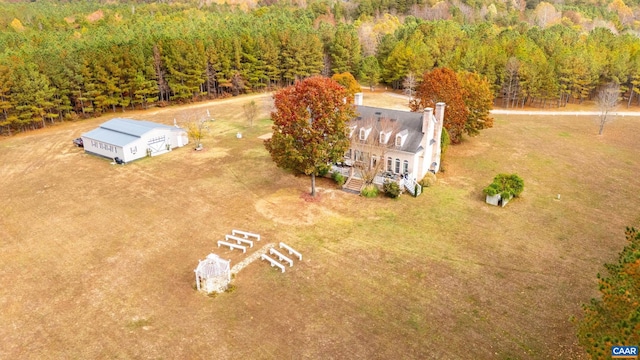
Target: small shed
column 213, row 274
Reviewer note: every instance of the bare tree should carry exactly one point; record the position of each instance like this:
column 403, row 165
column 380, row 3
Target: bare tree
column 545, row 14
column 607, row 101
column 250, row 110
column 370, row 141
column 409, row 83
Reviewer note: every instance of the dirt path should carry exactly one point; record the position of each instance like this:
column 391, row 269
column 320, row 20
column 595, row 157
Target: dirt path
column 558, row 113
column 203, row 104
column 539, row 112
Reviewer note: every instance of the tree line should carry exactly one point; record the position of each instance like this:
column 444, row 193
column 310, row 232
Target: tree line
column 74, row 61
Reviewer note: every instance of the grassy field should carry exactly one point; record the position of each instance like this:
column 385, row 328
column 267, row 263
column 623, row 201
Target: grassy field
column 96, row 260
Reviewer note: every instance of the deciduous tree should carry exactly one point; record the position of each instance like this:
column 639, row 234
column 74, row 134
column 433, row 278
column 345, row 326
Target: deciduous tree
column 607, row 100
column 309, row 127
column 250, row 110
column 441, row 85
column 479, row 101
column 409, row 84
column 348, row 82
column 197, row 130
column 371, row 146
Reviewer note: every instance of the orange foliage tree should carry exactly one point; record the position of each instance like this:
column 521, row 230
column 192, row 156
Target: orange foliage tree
column 614, row 319
column 478, row 100
column 441, row 85
column 310, row 127
column 349, row 82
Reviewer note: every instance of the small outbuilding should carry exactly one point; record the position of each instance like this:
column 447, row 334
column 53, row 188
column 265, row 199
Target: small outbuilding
column 129, row 139
column 213, row 274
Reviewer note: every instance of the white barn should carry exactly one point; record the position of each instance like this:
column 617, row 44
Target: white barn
column 133, row 139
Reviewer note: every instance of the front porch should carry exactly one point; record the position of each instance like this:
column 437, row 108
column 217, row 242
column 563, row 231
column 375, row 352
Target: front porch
column 355, row 182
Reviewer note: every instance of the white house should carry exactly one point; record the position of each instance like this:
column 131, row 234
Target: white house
column 408, row 143
column 133, row 139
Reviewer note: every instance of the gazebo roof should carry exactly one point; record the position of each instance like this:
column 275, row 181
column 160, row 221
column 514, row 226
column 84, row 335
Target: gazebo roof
column 212, row 267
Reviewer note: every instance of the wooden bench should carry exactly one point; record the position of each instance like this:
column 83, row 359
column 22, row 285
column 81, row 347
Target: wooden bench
column 232, row 246
column 281, row 257
column 272, row 261
column 245, row 234
column 238, row 240
column 291, row 251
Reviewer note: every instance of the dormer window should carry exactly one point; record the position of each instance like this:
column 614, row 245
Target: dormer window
column 364, row 133
column 352, row 129
column 384, row 137
column 401, row 137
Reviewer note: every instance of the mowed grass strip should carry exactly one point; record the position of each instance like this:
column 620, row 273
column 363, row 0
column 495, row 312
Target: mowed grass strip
column 97, row 259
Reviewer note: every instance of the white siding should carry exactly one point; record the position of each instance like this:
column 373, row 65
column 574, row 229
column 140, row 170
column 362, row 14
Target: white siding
column 134, row 151
column 101, row 148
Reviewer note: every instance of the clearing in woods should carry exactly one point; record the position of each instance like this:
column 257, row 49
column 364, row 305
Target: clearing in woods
column 97, row 260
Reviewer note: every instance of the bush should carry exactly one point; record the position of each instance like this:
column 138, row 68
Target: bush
column 428, row 180
column 445, row 141
column 338, row 178
column 391, row 189
column 369, row 191
column 323, row 171
column 507, row 186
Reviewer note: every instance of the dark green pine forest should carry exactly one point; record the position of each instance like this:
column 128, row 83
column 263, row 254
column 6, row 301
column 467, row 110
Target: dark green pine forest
column 66, row 60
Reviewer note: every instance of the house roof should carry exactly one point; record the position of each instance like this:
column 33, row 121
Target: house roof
column 121, row 132
column 406, row 120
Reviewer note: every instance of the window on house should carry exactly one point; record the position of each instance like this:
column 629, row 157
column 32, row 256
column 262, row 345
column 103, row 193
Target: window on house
column 363, row 134
column 405, row 167
column 398, row 140
column 389, row 164
column 374, row 161
column 397, row 166
column 357, row 155
column 347, row 155
column 352, row 129
column 384, row 137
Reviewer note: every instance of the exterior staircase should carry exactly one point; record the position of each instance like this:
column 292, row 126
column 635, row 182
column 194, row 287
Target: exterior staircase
column 353, row 185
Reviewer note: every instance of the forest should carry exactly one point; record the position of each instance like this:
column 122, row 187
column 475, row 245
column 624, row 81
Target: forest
column 63, row 61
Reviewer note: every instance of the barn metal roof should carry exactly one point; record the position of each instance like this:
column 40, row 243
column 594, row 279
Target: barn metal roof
column 110, row 137
column 121, row 132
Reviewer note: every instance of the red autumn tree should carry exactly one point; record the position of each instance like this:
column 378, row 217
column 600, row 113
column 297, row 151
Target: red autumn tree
column 310, row 127
column 441, row 85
